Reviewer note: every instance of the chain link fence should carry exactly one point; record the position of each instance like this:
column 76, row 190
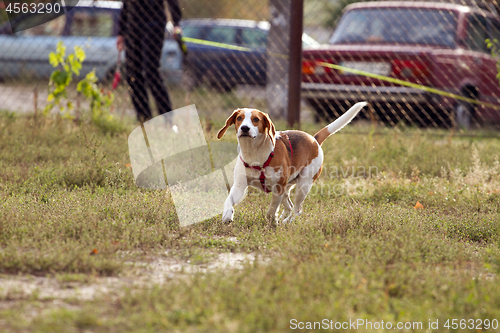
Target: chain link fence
column 423, row 64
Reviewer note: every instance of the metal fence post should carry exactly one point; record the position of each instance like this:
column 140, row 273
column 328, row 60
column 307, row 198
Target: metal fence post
column 277, row 57
column 295, row 65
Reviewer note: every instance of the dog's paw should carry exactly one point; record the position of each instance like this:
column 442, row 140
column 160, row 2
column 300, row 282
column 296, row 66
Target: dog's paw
column 285, row 215
column 290, row 218
column 228, row 215
column 270, row 217
column 273, row 219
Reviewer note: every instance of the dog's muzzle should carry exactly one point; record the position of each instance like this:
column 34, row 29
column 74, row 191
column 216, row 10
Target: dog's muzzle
column 245, row 131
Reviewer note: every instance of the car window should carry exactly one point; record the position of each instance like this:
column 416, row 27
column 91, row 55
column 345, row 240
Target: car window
column 51, row 28
column 397, row 25
column 308, row 41
column 222, row 35
column 193, row 31
column 477, row 33
column 495, row 30
column 92, row 23
column 253, row 37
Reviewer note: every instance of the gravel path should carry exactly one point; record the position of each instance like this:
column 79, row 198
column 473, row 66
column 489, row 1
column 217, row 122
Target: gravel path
column 157, row 271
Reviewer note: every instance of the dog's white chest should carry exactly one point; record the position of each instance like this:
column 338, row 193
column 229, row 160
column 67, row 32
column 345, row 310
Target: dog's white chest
column 254, row 176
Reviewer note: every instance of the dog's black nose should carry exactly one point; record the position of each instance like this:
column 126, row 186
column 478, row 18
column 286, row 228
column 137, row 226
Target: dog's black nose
column 245, row 129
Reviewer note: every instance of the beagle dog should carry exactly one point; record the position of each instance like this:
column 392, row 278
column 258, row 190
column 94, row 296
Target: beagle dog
column 277, row 161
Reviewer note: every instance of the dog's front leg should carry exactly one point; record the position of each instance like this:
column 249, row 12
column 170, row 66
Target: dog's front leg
column 237, row 192
column 235, row 196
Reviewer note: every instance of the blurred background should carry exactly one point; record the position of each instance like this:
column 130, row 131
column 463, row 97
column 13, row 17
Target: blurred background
column 429, row 64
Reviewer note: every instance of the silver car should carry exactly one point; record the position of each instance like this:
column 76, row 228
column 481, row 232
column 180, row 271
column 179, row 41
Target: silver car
column 92, row 25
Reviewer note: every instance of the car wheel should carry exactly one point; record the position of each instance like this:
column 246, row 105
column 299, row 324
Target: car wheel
column 464, row 111
column 463, row 115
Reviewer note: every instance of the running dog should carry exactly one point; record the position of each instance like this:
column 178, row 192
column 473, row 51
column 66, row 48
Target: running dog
column 275, row 162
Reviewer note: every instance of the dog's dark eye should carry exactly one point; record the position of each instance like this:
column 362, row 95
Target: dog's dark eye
column 239, row 118
column 255, row 120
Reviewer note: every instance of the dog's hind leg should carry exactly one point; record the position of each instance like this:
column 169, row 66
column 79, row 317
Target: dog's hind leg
column 303, row 187
column 287, row 204
column 273, row 208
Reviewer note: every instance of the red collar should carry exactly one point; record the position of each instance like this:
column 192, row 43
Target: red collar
column 262, row 177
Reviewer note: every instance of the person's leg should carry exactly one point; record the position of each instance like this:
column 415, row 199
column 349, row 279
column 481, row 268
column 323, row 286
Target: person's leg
column 135, row 77
column 152, row 46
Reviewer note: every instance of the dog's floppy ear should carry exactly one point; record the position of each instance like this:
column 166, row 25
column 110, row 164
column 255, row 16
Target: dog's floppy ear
column 269, row 127
column 229, row 121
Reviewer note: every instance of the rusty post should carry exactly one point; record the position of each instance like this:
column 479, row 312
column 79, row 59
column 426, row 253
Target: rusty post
column 295, row 69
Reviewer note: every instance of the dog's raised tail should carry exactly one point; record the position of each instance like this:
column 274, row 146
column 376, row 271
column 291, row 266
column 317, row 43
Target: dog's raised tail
column 338, row 124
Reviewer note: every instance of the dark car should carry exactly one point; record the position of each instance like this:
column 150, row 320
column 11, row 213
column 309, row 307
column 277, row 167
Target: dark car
column 433, row 44
column 224, row 67
column 92, row 25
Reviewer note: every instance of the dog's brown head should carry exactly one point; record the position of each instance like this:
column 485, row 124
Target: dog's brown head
column 249, row 124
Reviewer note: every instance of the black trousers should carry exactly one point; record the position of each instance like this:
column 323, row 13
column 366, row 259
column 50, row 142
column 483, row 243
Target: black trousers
column 143, row 53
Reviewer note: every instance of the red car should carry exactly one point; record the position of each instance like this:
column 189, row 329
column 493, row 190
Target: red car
column 437, row 45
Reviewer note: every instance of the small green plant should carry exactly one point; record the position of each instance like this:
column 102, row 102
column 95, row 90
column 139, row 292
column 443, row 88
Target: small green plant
column 61, row 78
column 99, row 99
column 494, row 47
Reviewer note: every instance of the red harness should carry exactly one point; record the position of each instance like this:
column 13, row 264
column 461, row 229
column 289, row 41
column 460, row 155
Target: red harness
column 262, row 177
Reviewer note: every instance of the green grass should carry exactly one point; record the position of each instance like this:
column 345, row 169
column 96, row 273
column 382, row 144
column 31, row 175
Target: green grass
column 360, row 250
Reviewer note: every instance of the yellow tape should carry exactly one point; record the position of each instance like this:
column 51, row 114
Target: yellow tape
column 409, row 84
column 354, row 71
column 227, row 46
column 215, row 44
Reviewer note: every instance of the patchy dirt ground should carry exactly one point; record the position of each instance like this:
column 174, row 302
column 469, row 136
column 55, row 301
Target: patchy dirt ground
column 140, row 273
